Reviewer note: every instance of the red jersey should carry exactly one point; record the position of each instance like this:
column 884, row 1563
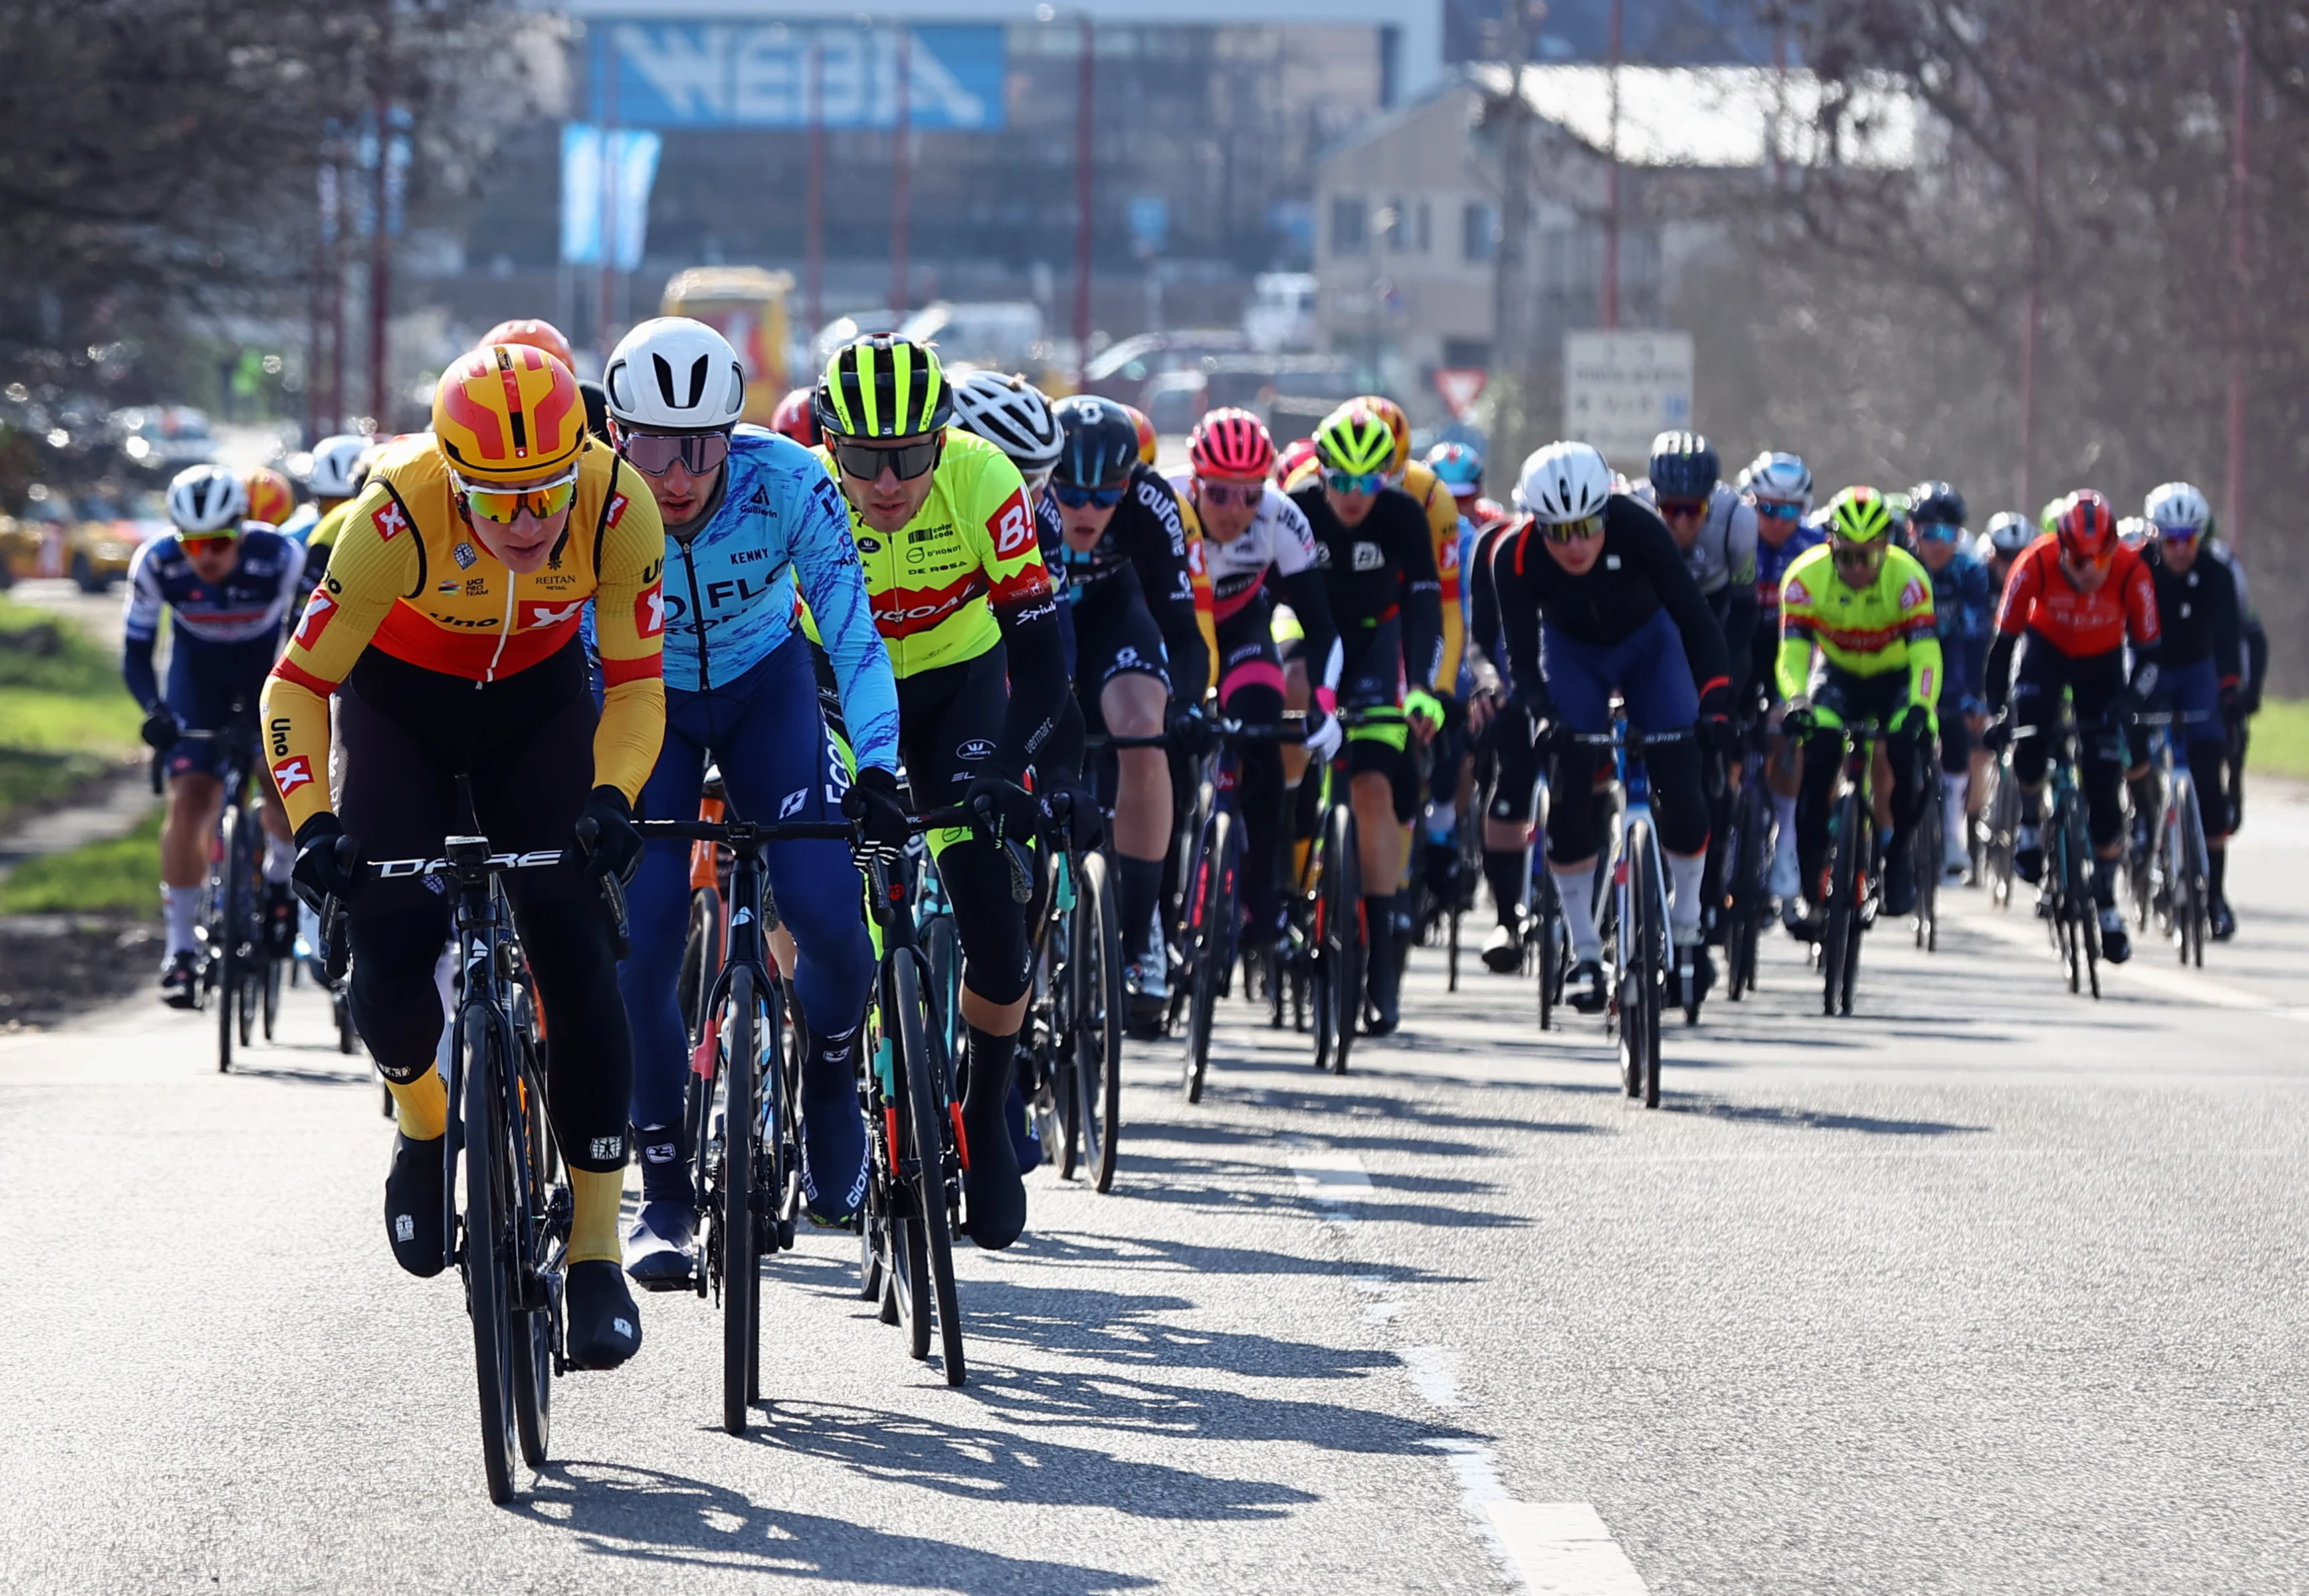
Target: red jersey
column 2040, row 599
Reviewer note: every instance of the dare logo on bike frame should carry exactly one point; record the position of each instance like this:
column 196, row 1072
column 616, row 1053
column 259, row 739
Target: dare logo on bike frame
column 1012, row 526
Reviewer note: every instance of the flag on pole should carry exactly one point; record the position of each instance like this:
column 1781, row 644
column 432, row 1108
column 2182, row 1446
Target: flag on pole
column 605, row 186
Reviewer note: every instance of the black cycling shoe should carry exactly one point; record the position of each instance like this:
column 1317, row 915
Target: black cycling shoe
column 2116, row 945
column 412, row 1205
column 2029, row 853
column 1503, row 949
column 995, row 1212
column 180, row 985
column 1801, row 919
column 658, row 1246
column 605, row 1327
column 1899, row 889
column 2222, row 919
column 1583, row 989
column 1703, row 976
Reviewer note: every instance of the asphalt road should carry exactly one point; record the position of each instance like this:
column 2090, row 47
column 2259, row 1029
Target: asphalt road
column 1988, row 1289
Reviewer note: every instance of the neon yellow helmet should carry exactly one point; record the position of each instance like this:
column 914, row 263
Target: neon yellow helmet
column 1859, row 515
column 883, row 387
column 1354, row 438
column 2049, row 517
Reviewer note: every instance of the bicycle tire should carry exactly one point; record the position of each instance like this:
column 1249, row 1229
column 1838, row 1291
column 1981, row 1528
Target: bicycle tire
column 225, row 925
column 924, row 1126
column 1096, row 1042
column 1343, row 933
column 341, row 1010
column 740, row 1232
column 2198, row 871
column 270, row 991
column 1549, row 912
column 1645, row 972
column 2088, row 906
column 1837, row 923
column 533, row 1343
column 701, row 960
column 488, row 1294
column 1211, row 912
column 1924, row 860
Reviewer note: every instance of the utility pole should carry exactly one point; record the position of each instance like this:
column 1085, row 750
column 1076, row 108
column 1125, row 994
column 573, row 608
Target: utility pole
column 1612, row 186
column 2240, row 233
column 2029, row 315
column 901, row 172
column 380, row 251
column 1085, row 145
column 814, row 194
column 1511, row 358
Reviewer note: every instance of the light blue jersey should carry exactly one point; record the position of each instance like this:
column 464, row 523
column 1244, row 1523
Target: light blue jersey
column 729, row 590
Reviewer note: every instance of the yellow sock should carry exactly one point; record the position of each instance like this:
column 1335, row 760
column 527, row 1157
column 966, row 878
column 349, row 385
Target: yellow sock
column 1299, row 851
column 594, row 1217
column 421, row 1108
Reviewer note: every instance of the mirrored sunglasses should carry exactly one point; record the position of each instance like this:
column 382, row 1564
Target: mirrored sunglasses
column 1339, row 482
column 1074, row 495
column 1680, row 508
column 654, row 452
column 503, row 505
column 207, row 542
column 1778, row 510
column 866, row 462
column 1244, row 495
column 1940, row 531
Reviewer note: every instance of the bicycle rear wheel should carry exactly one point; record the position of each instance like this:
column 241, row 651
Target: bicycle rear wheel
column 1644, row 975
column 224, row 949
column 2196, row 871
column 924, row 1130
column 1095, row 1041
column 739, row 1240
column 488, row 1252
column 1210, row 926
column 1341, row 945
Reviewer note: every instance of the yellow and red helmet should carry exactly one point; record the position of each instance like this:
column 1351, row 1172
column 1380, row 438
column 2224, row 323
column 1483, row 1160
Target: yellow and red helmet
column 508, row 412
column 536, row 335
column 271, row 499
column 1397, row 423
column 1148, row 446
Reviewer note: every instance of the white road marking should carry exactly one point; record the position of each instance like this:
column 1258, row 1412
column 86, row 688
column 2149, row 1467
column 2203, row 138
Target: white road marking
column 1431, row 1374
column 1564, row 1548
column 1333, row 1178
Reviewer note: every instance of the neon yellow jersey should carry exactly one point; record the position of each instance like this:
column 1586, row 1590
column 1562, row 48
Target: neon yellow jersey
column 968, row 563
column 1871, row 631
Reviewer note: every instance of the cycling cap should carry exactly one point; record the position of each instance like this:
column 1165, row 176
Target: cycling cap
column 1101, row 447
column 1859, row 515
column 1564, row 483
column 883, row 387
column 1231, row 443
column 536, row 335
column 1460, row 467
column 207, row 498
column 1397, row 424
column 1935, row 503
column 2177, row 507
column 794, row 418
column 675, row 375
column 1683, row 466
column 1010, row 413
column 334, row 460
column 1356, row 438
column 508, row 412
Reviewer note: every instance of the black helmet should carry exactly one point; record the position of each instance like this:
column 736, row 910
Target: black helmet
column 1101, row 442
column 1683, row 466
column 1936, row 504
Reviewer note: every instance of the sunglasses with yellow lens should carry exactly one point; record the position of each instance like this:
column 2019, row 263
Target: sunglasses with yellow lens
column 503, row 505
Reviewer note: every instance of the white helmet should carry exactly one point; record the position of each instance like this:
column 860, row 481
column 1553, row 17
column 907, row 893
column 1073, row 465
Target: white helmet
column 1781, row 479
column 2132, row 531
column 2177, row 507
column 333, row 460
column 207, row 498
column 675, row 375
column 1563, row 482
column 2008, row 533
column 1010, row 413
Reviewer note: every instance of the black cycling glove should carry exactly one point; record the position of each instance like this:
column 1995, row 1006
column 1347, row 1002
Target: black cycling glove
column 877, row 806
column 613, row 847
column 1017, row 812
column 161, row 730
column 327, row 862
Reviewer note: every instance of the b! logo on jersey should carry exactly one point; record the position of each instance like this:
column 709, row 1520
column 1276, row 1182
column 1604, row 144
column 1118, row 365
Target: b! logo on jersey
column 1795, row 593
column 1013, row 527
column 315, row 621
column 389, row 521
column 649, row 611
column 1912, row 595
column 542, row 615
column 290, row 774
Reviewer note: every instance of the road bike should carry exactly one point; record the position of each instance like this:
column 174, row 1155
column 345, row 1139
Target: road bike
column 1853, row 876
column 1993, row 830
column 1071, row 1044
column 237, row 965
column 2065, row 900
column 1213, row 899
column 1747, row 871
column 743, row 1123
column 2173, row 880
column 1923, row 848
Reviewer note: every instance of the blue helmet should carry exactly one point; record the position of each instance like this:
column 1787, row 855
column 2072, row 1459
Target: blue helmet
column 1460, row 467
column 1683, row 466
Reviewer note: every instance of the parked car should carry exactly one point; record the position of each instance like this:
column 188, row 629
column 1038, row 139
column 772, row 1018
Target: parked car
column 164, row 439
column 1123, row 371
column 91, row 541
column 1284, row 390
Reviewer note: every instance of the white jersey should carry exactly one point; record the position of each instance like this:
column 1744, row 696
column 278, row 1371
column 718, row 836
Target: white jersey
column 1278, row 536
column 1724, row 553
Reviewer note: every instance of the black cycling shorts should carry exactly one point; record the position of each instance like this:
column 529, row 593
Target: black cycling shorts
column 1115, row 635
column 949, row 721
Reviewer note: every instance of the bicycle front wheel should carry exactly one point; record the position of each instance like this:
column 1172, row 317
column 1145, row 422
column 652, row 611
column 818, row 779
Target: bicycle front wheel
column 739, row 1240
column 1645, row 971
column 543, row 1232
column 1210, row 936
column 490, row 1283
column 1839, row 954
column 1341, row 944
column 1095, row 1043
column 924, row 1132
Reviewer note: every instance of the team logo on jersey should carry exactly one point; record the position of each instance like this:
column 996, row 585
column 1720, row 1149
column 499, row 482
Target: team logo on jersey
column 617, row 508
column 290, row 774
column 1195, row 557
column 1368, row 558
column 1012, row 526
column 551, row 615
column 793, row 804
column 977, row 748
column 464, row 556
column 758, row 500
column 450, row 586
column 1448, row 559
column 316, row 618
column 474, row 585
column 1912, row 595
column 869, row 545
column 388, row 521
column 649, row 610
column 1795, row 593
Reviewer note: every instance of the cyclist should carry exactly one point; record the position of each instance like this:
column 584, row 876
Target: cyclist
column 1864, row 607
column 333, row 482
column 2254, row 639
column 1596, row 597
column 942, row 526
column 546, row 336
column 2201, row 672
column 2008, row 536
column 750, row 517
column 1143, row 663
column 1256, row 547
column 1459, row 468
column 1142, row 428
column 1964, row 613
column 796, row 417
column 2077, row 597
column 228, row 581
column 1375, row 549
column 1778, row 486
column 447, row 631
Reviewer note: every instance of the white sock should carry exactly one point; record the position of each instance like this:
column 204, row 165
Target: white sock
column 280, row 859
column 1953, row 808
column 1575, row 890
column 1784, row 813
column 182, row 905
column 1683, row 871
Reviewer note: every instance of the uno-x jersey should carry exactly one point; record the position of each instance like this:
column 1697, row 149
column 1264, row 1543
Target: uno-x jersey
column 410, row 578
column 729, row 590
column 250, row 603
column 1887, row 625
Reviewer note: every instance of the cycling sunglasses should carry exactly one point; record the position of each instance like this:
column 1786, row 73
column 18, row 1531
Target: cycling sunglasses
column 1845, row 552
column 1682, row 507
column 1779, row 511
column 1574, row 532
column 1339, row 482
column 1074, row 495
column 2179, row 534
column 503, row 505
column 1228, row 494
column 206, row 542
column 1939, row 532
column 866, row 462
column 654, row 452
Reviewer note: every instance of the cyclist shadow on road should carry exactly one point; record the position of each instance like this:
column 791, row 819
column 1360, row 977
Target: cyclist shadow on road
column 652, row 1516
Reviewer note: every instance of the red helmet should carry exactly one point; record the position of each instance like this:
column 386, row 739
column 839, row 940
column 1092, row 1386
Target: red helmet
column 1231, row 443
column 1294, row 455
column 796, row 419
column 537, row 334
column 2087, row 528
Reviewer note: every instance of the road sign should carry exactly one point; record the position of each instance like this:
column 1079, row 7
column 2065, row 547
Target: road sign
column 1459, row 387
column 1622, row 389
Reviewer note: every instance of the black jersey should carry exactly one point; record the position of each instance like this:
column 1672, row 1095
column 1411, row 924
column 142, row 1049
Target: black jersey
column 1382, row 567
column 2197, row 614
column 1146, row 546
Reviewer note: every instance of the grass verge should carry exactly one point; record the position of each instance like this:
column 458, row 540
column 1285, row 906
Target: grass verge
column 2280, row 738
column 65, row 716
column 121, row 876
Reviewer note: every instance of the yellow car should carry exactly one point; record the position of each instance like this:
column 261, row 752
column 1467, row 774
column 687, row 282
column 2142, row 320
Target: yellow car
column 93, row 542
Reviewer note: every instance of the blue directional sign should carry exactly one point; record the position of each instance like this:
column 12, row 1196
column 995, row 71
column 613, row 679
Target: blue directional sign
column 702, row 73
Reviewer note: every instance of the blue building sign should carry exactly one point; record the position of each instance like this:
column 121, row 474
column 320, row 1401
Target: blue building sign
column 650, row 73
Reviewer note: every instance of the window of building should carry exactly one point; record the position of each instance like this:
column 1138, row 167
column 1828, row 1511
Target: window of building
column 1479, row 231
column 1350, row 225
column 1393, row 225
column 1426, row 226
